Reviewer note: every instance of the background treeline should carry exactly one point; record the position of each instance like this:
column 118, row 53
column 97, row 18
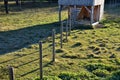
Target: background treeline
column 33, row 0
column 106, row 1
column 112, row 1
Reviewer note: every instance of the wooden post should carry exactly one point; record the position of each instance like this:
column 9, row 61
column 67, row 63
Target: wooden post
column 67, row 31
column 40, row 55
column 75, row 14
column 69, row 20
column 6, row 6
column 98, row 13
column 61, row 25
column 53, row 43
column 92, row 14
column 60, row 7
column 11, row 73
column 61, row 37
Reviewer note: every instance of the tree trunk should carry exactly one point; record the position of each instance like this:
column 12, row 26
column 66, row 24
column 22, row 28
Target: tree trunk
column 17, row 2
column 6, row 6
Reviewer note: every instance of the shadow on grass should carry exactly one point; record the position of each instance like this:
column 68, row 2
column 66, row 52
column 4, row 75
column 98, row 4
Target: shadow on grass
column 82, row 27
column 30, row 72
column 29, row 62
column 47, row 64
column 13, row 40
column 16, row 39
column 17, row 57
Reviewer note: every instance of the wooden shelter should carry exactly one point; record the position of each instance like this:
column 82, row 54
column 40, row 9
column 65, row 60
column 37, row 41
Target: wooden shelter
column 83, row 11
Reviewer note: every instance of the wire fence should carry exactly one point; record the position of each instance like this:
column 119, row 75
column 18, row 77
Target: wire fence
column 13, row 72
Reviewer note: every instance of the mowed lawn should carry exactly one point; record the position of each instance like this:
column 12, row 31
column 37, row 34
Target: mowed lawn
column 89, row 54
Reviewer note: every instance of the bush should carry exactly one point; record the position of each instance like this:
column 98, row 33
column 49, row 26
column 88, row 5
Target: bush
column 79, row 76
column 95, row 66
column 117, row 61
column 100, row 73
column 86, row 76
column 115, row 76
column 68, row 76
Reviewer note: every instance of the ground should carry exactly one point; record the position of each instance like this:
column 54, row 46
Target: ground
column 89, row 54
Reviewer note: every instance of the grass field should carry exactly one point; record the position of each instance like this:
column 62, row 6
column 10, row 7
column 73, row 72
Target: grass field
column 89, row 54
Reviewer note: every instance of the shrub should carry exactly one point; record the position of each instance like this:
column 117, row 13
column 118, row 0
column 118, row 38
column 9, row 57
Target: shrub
column 117, row 61
column 86, row 75
column 115, row 76
column 68, row 76
column 95, row 66
column 77, row 76
column 100, row 73
column 118, row 49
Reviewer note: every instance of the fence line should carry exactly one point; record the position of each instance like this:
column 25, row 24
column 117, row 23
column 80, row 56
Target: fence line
column 11, row 70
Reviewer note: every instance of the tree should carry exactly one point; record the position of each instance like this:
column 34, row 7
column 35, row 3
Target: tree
column 6, row 6
column 17, row 2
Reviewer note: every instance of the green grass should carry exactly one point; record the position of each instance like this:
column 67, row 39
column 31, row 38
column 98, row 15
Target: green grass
column 89, row 54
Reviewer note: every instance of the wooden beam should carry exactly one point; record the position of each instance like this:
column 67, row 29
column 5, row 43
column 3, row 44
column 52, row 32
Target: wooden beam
column 98, row 13
column 88, row 9
column 92, row 14
column 94, row 24
column 60, row 9
column 84, row 13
